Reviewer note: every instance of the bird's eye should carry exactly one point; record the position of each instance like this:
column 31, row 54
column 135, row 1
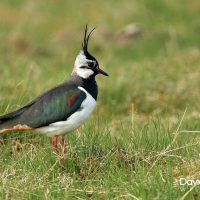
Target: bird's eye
column 91, row 64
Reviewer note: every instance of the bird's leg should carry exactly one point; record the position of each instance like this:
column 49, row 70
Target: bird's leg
column 63, row 146
column 55, row 146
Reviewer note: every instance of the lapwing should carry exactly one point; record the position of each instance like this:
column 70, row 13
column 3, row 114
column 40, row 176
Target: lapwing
column 63, row 108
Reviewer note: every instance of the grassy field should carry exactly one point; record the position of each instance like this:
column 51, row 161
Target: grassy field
column 132, row 147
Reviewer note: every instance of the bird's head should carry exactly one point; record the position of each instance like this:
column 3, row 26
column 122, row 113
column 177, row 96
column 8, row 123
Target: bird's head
column 85, row 64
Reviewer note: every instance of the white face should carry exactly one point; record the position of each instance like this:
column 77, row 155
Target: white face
column 81, row 61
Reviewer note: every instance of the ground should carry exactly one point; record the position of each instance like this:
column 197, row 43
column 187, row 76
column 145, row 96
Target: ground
column 134, row 145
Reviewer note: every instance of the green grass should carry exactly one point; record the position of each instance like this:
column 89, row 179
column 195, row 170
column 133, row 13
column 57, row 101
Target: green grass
column 132, row 147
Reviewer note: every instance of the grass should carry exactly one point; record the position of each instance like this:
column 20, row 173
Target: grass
column 132, row 147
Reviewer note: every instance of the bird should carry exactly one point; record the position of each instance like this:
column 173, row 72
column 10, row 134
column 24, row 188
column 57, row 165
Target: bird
column 64, row 108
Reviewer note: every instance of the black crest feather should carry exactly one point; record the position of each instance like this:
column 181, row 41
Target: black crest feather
column 86, row 39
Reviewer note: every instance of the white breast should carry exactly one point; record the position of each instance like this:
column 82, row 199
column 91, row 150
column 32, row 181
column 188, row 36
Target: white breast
column 74, row 121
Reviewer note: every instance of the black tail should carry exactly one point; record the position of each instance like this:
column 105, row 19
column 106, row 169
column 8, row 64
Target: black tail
column 11, row 119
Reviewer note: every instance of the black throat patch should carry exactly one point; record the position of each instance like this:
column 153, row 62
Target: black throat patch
column 89, row 84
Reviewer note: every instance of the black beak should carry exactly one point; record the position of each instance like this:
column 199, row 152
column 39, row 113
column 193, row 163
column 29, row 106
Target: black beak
column 100, row 71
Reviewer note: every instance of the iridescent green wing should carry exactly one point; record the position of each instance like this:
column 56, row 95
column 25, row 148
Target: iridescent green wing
column 55, row 106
